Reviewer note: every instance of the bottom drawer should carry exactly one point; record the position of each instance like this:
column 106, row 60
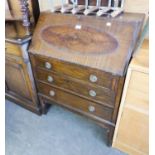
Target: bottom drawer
column 74, row 101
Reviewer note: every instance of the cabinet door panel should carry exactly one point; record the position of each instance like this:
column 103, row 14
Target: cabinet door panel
column 134, row 124
column 16, row 79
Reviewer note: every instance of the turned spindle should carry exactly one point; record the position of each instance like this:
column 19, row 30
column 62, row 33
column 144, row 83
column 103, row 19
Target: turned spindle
column 25, row 15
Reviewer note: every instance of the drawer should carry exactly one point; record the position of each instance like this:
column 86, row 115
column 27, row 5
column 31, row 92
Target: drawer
column 78, row 72
column 93, row 92
column 12, row 49
column 74, row 101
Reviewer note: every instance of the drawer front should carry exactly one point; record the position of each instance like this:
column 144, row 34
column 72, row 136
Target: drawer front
column 12, row 49
column 76, row 71
column 74, row 101
column 87, row 90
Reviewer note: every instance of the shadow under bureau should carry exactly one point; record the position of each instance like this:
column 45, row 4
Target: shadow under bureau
column 80, row 62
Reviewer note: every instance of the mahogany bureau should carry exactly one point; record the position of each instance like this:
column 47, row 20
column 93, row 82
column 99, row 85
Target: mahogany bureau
column 80, row 62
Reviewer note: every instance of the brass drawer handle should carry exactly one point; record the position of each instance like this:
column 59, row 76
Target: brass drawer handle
column 50, row 79
column 91, row 108
column 92, row 93
column 48, row 65
column 52, row 93
column 93, row 78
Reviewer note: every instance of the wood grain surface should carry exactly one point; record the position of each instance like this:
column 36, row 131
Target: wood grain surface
column 16, row 14
column 134, row 108
column 125, row 30
column 18, row 74
column 20, row 85
column 14, row 29
column 15, row 9
column 71, row 83
column 76, row 47
column 71, row 40
column 65, row 98
column 79, row 72
column 103, row 95
column 13, row 49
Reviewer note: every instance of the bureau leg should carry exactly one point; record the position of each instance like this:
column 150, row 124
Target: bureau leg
column 110, row 135
column 110, row 132
column 44, row 105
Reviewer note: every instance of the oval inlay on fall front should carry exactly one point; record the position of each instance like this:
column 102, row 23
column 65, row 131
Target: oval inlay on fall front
column 85, row 40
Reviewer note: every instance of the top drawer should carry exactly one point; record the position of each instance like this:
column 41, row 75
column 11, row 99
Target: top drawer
column 76, row 71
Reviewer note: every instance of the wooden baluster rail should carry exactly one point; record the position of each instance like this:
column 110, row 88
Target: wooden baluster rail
column 25, row 15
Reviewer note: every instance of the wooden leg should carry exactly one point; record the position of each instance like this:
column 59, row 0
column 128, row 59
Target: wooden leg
column 110, row 132
column 110, row 135
column 44, row 105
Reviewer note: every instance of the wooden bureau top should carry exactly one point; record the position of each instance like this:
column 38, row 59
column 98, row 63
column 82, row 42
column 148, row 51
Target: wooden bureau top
column 97, row 42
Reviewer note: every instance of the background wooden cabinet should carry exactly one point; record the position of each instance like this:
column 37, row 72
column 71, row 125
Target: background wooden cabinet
column 19, row 25
column 13, row 10
column 132, row 129
column 20, row 85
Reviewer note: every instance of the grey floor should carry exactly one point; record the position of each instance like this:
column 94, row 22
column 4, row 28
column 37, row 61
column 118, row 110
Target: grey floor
column 60, row 132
